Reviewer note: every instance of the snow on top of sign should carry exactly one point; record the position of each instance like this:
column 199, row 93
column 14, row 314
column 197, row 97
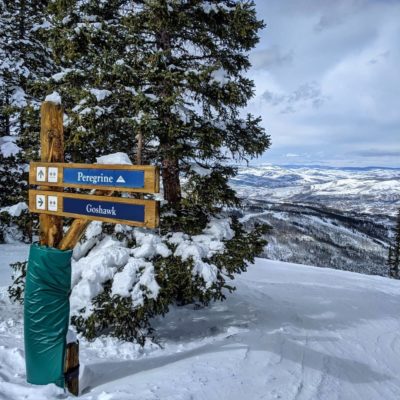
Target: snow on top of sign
column 54, row 98
column 114, row 158
column 15, row 210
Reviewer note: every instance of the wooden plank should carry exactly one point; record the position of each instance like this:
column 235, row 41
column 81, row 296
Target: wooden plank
column 66, row 175
column 134, row 212
column 74, row 234
column 77, row 228
column 52, row 149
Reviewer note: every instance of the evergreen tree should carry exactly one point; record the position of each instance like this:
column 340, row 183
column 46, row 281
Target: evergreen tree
column 190, row 59
column 394, row 252
column 175, row 73
column 24, row 62
column 89, row 42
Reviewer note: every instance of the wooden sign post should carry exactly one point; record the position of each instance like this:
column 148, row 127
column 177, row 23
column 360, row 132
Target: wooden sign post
column 51, row 175
column 52, row 150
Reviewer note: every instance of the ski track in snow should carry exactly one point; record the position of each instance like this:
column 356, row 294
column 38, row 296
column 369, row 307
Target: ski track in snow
column 290, row 332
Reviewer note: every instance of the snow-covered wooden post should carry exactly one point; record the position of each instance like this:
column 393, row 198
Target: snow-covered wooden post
column 52, row 150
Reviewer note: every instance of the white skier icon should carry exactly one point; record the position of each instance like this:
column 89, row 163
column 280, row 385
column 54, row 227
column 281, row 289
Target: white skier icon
column 121, row 180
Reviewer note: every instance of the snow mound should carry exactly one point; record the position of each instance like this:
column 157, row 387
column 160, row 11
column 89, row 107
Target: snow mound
column 199, row 247
column 15, row 210
column 131, row 269
column 130, row 281
column 90, row 272
column 54, row 98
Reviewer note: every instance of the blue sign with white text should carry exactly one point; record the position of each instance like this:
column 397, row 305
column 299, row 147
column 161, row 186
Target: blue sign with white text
column 104, row 177
column 106, row 209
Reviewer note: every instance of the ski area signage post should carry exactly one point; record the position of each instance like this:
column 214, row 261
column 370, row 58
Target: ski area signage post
column 49, row 358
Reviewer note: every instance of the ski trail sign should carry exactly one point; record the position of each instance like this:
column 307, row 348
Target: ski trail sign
column 52, row 175
column 126, row 178
column 134, row 212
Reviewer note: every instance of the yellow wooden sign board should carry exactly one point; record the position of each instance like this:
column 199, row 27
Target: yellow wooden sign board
column 110, row 177
column 134, row 212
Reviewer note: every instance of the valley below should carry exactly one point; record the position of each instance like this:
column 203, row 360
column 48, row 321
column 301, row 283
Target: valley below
column 336, row 218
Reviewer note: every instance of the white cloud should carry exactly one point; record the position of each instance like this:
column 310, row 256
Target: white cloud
column 327, row 79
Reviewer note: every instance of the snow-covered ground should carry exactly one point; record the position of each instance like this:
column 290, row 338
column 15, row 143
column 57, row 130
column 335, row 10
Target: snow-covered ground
column 10, row 253
column 289, row 332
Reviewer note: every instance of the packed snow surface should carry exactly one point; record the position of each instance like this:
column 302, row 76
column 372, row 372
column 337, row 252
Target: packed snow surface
column 289, row 332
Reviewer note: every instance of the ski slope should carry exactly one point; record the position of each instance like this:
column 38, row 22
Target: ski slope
column 289, row 332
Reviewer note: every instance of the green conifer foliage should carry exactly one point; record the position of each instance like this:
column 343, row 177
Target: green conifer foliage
column 190, row 59
column 24, row 62
column 97, row 88
column 394, row 252
column 175, row 72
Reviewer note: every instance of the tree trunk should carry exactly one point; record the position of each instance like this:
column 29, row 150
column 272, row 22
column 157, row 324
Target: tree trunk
column 171, row 182
column 170, row 164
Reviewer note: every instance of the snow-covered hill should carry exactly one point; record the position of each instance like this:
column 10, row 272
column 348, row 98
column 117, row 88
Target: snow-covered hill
column 337, row 218
column 361, row 190
column 315, row 235
column 289, row 332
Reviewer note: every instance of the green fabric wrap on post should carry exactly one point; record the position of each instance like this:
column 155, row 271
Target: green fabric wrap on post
column 46, row 314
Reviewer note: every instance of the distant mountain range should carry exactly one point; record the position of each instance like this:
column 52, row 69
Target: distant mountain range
column 316, row 166
column 362, row 190
column 334, row 217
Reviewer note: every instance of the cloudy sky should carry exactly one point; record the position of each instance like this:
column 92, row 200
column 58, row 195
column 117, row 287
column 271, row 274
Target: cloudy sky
column 327, row 77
